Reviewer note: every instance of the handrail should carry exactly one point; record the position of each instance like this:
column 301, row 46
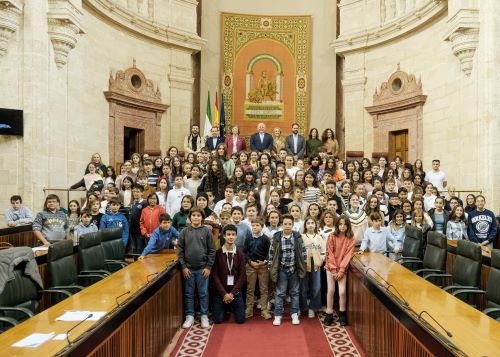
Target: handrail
column 66, row 190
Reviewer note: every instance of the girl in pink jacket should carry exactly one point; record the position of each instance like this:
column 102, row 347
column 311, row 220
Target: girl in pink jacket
column 339, row 250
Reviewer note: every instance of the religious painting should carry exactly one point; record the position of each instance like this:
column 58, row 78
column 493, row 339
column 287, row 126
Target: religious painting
column 265, row 71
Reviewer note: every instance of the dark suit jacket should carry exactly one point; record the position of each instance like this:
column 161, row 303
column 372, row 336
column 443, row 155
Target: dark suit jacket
column 258, row 145
column 301, row 146
column 241, row 144
column 209, row 142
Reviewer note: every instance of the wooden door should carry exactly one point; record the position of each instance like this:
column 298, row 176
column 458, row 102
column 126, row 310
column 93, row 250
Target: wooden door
column 398, row 144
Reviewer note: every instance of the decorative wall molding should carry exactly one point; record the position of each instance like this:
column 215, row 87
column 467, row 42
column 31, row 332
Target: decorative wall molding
column 180, row 77
column 354, row 80
column 389, row 31
column 144, row 27
column 10, row 18
column 463, row 33
column 64, row 27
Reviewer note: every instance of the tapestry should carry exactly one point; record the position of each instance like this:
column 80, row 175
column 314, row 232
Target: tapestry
column 266, row 71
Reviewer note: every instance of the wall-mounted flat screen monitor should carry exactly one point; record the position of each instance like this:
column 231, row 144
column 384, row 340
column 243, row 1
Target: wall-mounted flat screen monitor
column 11, row 122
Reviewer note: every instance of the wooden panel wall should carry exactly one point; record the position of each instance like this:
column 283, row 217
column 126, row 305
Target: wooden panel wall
column 20, row 239
column 377, row 330
column 150, row 329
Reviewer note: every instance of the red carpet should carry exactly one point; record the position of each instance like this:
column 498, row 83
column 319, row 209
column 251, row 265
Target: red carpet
column 258, row 337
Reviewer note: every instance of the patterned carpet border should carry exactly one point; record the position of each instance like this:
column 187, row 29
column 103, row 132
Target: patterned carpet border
column 338, row 338
column 195, row 341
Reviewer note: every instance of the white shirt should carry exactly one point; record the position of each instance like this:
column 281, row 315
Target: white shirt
column 218, row 206
column 292, row 171
column 437, row 178
column 295, row 140
column 235, row 141
column 174, row 199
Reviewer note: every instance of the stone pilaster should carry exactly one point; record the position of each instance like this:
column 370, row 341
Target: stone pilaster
column 181, row 97
column 37, row 138
column 353, row 85
column 488, row 116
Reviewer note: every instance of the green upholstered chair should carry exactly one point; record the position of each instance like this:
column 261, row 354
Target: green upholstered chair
column 435, row 255
column 61, row 268
column 492, row 288
column 114, row 250
column 91, row 258
column 466, row 270
column 411, row 248
column 20, row 297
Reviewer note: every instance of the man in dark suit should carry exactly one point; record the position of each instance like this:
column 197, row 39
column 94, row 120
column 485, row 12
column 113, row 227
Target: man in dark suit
column 295, row 144
column 214, row 139
column 261, row 140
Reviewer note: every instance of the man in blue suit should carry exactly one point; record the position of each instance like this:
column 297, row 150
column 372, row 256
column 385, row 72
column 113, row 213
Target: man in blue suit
column 214, row 139
column 261, row 140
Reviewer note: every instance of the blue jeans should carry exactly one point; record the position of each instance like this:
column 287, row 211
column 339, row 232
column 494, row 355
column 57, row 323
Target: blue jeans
column 219, row 308
column 310, row 288
column 287, row 281
column 198, row 282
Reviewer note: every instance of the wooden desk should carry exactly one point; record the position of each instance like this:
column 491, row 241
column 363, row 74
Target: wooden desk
column 142, row 326
column 385, row 327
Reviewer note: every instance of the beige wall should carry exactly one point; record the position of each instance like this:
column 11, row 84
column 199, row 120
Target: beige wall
column 460, row 116
column 322, row 112
column 66, row 113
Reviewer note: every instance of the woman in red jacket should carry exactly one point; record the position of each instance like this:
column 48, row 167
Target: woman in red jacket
column 339, row 250
column 150, row 216
column 235, row 143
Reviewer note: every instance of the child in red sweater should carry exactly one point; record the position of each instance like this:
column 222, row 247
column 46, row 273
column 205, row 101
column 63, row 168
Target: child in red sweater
column 150, row 216
column 339, row 250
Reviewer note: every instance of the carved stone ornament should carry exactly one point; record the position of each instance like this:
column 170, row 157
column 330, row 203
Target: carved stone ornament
column 10, row 16
column 463, row 33
column 134, row 85
column 64, row 27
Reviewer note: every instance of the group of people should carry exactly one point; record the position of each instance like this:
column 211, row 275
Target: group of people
column 291, row 215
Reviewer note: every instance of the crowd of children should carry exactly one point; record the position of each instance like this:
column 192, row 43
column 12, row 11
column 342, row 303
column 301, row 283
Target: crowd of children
column 289, row 227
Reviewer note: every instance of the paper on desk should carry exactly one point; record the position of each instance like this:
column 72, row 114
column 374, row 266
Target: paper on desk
column 39, row 249
column 60, row 337
column 81, row 315
column 34, row 340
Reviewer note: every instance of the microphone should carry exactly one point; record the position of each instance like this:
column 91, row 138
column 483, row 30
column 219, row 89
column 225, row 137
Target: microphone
column 70, row 343
column 119, row 296
column 405, row 303
column 150, row 275
column 433, row 319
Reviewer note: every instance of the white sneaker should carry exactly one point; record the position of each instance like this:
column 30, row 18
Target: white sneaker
column 204, row 321
column 277, row 320
column 311, row 314
column 189, row 321
column 295, row 319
